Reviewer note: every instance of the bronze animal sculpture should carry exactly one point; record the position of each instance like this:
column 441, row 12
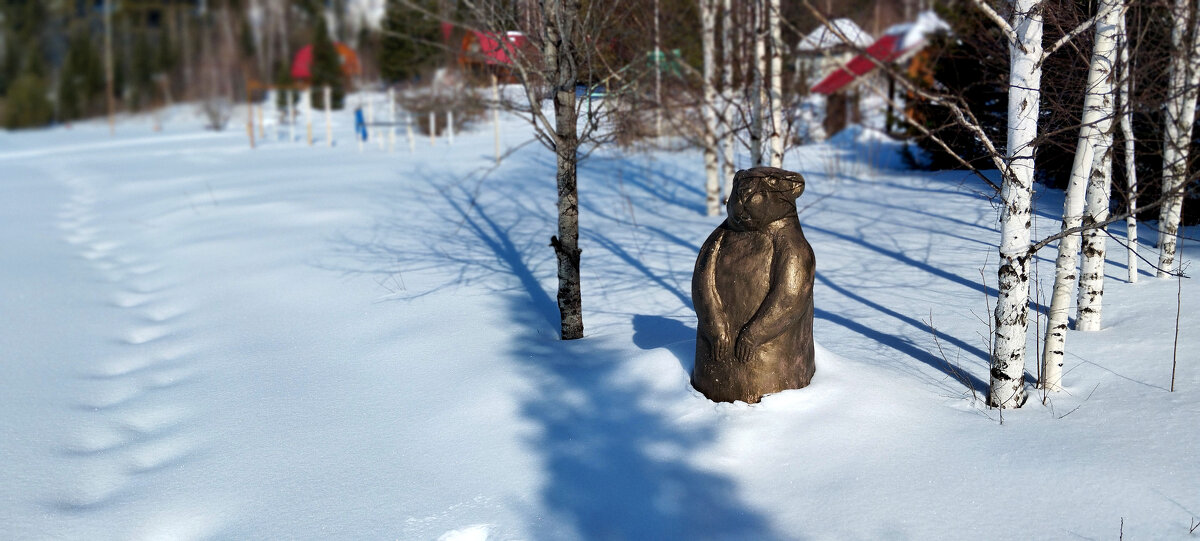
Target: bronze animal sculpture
column 752, row 288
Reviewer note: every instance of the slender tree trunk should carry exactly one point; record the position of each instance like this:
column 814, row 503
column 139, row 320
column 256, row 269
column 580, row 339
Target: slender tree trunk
column 658, row 103
column 110, row 99
column 1126, row 93
column 708, row 108
column 1007, row 389
column 776, row 94
column 1090, row 154
column 756, row 88
column 561, row 17
column 727, row 169
column 1183, row 76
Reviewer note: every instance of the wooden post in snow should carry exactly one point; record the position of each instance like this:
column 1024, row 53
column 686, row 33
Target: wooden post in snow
column 450, row 127
column 496, row 115
column 432, row 128
column 291, row 97
column 392, row 126
column 308, row 114
column 328, row 116
column 408, row 128
column 250, row 117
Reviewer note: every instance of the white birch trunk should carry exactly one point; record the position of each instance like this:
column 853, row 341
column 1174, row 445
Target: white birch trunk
column 712, row 185
column 1090, row 152
column 432, row 128
column 1091, row 271
column 756, row 87
column 1181, row 113
column 1007, row 387
column 727, row 168
column 1126, row 93
column 450, row 127
column 776, row 94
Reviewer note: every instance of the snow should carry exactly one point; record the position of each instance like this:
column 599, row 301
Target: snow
column 205, row 341
column 822, row 37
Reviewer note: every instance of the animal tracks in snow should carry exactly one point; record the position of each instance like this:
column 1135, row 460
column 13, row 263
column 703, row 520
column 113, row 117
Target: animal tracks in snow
column 133, row 422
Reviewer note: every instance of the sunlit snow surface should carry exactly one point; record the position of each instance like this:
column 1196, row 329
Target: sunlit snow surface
column 204, row 341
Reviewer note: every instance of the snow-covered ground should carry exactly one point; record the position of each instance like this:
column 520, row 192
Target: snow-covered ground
column 204, row 341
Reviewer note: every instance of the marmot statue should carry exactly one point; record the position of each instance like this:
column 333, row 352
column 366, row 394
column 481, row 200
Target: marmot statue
column 753, row 291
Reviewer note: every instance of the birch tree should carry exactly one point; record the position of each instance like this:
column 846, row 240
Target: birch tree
column 1131, row 183
column 708, row 27
column 1183, row 78
column 1091, row 169
column 756, row 86
column 727, row 131
column 776, row 93
column 1007, row 386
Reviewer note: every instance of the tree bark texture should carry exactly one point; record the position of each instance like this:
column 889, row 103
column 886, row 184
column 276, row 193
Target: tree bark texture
column 1090, row 152
column 756, row 87
column 1126, row 91
column 1182, row 79
column 1007, row 387
column 727, row 169
column 561, row 19
column 776, row 93
column 712, row 172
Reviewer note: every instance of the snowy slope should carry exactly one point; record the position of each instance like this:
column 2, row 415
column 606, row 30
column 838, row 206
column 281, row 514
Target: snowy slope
column 205, row 341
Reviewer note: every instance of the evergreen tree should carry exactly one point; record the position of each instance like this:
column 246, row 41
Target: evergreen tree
column 26, row 104
column 410, row 40
column 81, row 79
column 143, row 69
column 326, row 69
column 283, row 81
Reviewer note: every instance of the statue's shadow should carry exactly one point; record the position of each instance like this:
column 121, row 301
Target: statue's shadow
column 653, row 332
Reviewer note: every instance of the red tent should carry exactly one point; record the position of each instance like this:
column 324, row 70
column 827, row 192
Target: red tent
column 302, row 62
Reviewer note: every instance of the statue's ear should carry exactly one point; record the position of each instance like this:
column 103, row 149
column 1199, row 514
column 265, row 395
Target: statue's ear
column 797, row 182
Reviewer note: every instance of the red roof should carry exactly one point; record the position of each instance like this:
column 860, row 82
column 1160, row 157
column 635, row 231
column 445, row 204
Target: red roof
column 494, row 48
column 302, row 62
column 886, row 49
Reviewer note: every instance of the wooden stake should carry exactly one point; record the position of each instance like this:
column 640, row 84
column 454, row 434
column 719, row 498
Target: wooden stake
column 392, row 127
column 496, row 115
column 328, row 115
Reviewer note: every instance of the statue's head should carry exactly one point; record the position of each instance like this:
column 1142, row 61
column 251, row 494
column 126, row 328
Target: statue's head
column 762, row 195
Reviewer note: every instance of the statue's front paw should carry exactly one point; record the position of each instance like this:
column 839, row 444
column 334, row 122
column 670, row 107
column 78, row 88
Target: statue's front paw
column 744, row 352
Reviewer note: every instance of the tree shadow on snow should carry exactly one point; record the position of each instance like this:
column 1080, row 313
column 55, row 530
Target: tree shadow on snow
column 614, row 467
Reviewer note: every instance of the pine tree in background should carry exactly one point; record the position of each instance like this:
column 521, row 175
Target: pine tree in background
column 26, row 104
column 326, row 68
column 81, row 79
column 142, row 71
column 284, row 81
column 410, row 40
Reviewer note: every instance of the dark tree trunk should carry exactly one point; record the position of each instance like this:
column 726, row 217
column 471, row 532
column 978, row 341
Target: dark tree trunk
column 560, row 19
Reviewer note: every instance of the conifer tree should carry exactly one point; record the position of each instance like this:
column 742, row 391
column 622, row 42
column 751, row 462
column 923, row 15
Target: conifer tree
column 409, row 40
column 326, row 67
column 81, row 79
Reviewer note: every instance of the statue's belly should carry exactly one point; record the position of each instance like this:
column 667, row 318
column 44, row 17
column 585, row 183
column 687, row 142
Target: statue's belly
column 743, row 275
